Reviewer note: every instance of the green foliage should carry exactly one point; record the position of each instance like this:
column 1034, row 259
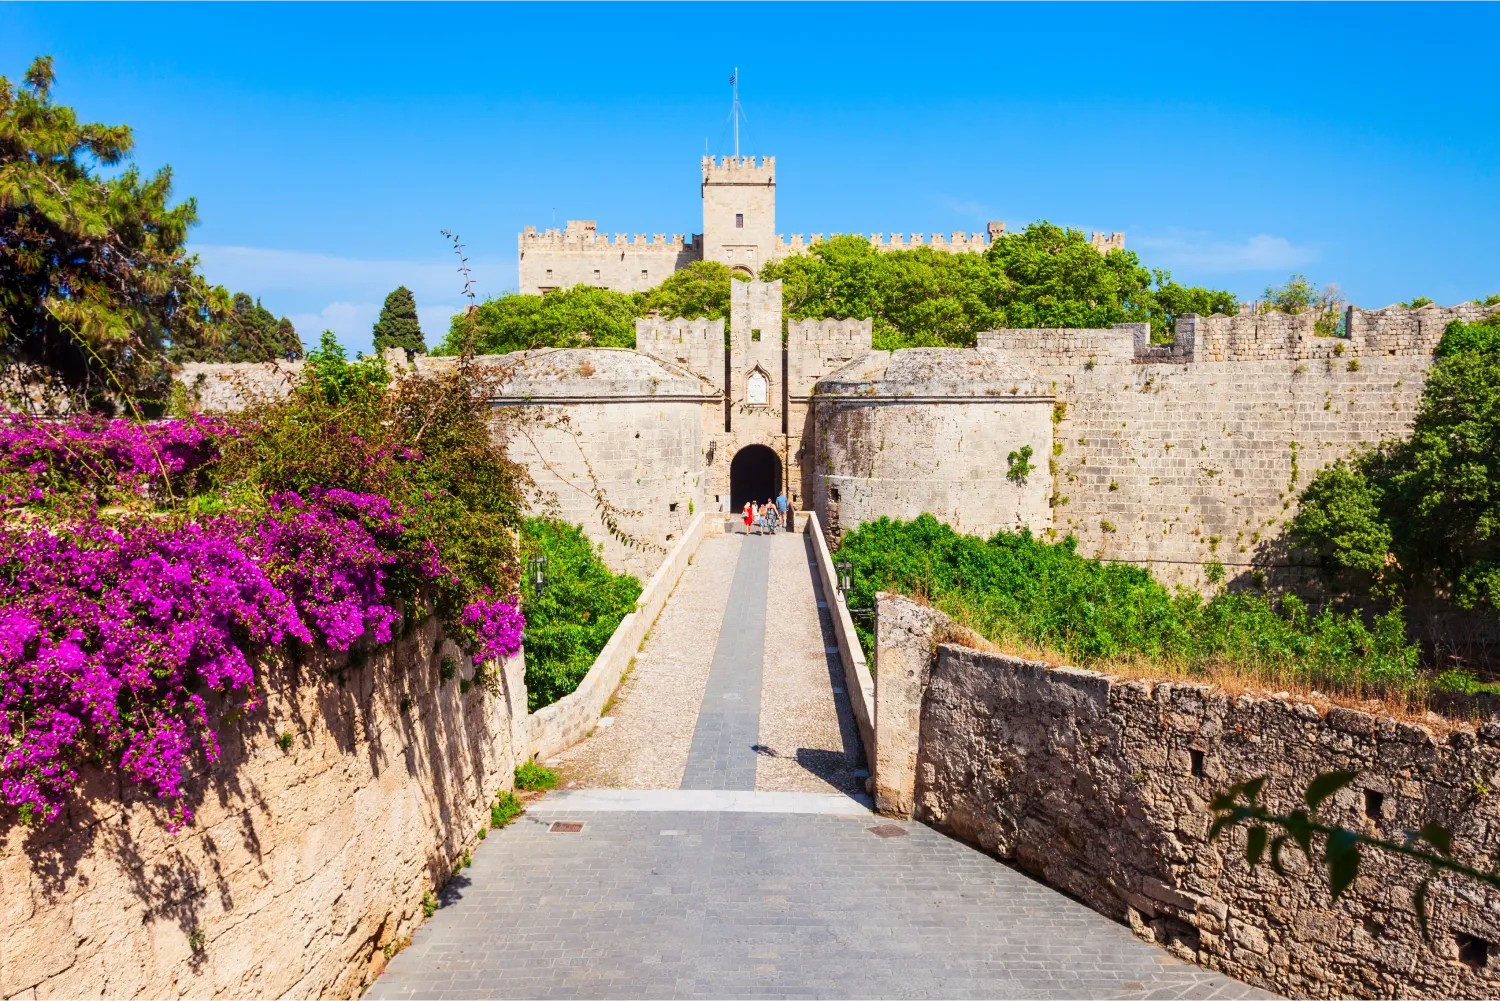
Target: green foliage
column 398, row 326
column 1422, row 515
column 532, row 777
column 1340, row 518
column 505, row 809
column 699, row 290
column 284, row 742
column 95, row 277
column 1018, row 465
column 1417, row 303
column 1299, row 295
column 575, row 615
column 1240, row 804
column 581, row 316
column 1460, row 336
column 1015, row 589
column 429, row 904
column 429, row 443
column 249, row 333
column 1044, row 276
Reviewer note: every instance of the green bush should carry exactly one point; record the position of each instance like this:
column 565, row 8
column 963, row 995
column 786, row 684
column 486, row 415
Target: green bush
column 1014, row 589
column 505, row 809
column 532, row 777
column 575, row 615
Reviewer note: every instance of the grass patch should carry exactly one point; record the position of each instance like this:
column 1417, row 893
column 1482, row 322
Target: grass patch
column 533, row 777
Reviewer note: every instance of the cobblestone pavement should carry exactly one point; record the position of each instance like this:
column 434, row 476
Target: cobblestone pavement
column 711, row 904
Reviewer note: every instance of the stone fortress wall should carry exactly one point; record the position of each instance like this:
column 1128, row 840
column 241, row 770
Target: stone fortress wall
column 739, row 229
column 580, row 255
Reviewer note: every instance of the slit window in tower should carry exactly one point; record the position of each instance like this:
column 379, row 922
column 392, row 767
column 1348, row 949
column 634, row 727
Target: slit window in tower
column 739, row 220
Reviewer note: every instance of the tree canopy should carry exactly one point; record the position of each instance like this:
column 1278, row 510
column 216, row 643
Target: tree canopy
column 398, row 326
column 250, row 332
column 1044, row 276
column 95, row 278
column 581, row 316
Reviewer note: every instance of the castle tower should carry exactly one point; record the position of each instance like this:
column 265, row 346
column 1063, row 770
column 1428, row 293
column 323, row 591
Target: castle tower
column 739, row 211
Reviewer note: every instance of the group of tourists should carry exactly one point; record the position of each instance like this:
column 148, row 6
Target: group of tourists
column 770, row 517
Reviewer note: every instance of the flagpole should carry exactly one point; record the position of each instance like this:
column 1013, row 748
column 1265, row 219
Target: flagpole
column 735, row 111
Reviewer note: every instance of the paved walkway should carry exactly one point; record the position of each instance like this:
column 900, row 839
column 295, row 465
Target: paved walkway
column 713, row 843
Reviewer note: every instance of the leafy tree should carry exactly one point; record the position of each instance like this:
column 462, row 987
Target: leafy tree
column 699, row 290
column 916, row 298
column 398, row 326
column 95, row 278
column 1435, row 496
column 1044, row 276
column 581, row 316
column 249, row 333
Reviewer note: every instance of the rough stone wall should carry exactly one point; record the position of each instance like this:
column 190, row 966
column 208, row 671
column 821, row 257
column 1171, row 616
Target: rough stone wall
column 696, row 345
column 1100, row 787
column 1172, row 464
column 301, row 866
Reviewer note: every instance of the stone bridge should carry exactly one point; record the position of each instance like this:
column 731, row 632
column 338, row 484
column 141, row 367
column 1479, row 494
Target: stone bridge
column 713, row 837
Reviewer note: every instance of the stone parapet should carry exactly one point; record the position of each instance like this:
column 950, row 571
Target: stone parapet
column 1100, row 786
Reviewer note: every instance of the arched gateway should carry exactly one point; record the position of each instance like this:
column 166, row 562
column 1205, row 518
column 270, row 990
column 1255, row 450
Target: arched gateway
column 754, row 475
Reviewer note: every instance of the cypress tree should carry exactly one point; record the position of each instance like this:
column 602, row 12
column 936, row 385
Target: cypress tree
column 397, row 326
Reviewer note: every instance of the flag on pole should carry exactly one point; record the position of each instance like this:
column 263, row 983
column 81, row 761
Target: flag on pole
column 732, row 76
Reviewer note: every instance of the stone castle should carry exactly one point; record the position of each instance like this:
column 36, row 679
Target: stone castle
column 739, row 230
column 1167, row 456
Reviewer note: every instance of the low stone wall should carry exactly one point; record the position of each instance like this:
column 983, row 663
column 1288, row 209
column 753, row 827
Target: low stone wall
column 1100, row 787
column 302, row 865
column 858, row 681
column 568, row 720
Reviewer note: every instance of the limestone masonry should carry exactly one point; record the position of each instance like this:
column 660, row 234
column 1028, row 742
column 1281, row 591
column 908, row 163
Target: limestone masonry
column 1100, row 786
column 739, row 229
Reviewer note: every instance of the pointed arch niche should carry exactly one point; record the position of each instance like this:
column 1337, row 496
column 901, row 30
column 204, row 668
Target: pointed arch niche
column 758, row 388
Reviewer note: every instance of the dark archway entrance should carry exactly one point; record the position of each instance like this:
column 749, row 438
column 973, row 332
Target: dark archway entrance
column 755, row 474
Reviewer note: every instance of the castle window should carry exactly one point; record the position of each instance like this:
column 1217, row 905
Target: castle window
column 596, row 274
column 643, row 275
column 549, row 274
column 739, row 220
column 755, row 335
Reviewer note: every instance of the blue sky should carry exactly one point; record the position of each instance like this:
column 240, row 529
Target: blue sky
column 328, row 145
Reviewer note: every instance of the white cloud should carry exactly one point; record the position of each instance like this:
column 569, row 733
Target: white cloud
column 1199, row 252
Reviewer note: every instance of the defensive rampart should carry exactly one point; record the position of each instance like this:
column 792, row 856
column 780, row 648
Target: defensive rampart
column 1100, row 787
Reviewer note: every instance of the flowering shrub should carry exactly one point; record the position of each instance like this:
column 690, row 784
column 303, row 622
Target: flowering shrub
column 140, row 569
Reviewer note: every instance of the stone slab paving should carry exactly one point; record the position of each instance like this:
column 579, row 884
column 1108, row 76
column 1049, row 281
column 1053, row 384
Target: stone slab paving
column 808, row 738
column 712, row 904
column 650, row 728
column 722, row 754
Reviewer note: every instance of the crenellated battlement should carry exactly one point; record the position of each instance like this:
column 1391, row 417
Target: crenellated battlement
column 956, row 242
column 1106, row 242
column 739, row 170
column 694, row 344
column 1394, row 331
column 584, row 238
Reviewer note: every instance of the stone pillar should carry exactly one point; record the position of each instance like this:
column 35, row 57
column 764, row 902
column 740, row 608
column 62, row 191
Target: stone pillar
column 906, row 634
